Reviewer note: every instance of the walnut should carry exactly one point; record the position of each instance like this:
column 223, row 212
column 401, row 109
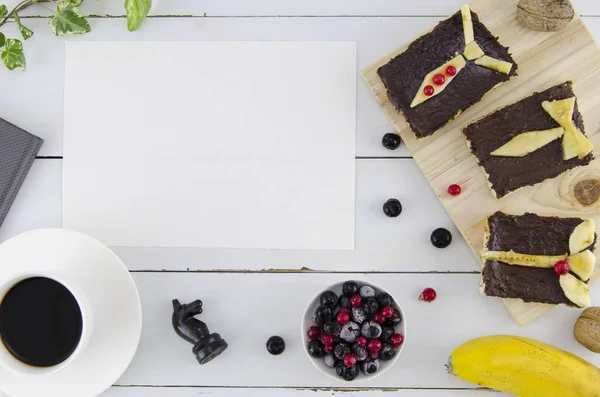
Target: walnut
column 545, row 15
column 587, row 329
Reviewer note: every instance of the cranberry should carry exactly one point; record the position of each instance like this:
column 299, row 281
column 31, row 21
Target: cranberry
column 428, row 295
column 343, row 317
column 356, row 301
column 454, row 190
column 374, row 345
column 361, row 341
column 388, row 312
column 327, row 339
column 328, row 348
column 396, row 340
column 562, row 268
column 314, row 332
column 349, row 360
column 379, row 318
column 439, row 79
column 450, row 70
column 428, row 90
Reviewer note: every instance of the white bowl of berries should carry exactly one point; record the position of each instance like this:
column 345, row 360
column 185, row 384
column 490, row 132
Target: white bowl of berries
column 353, row 330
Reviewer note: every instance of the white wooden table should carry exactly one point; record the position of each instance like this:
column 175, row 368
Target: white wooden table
column 250, row 295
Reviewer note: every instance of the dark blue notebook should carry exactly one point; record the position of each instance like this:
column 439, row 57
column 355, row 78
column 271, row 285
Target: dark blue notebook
column 18, row 149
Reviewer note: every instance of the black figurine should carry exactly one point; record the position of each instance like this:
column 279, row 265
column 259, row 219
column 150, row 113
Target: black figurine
column 207, row 346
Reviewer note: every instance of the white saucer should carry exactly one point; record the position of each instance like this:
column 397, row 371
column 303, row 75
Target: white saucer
column 111, row 294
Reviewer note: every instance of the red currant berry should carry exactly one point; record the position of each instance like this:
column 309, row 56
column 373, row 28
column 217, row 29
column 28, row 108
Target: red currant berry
column 344, row 309
column 356, row 301
column 379, row 318
column 343, row 317
column 428, row 90
column 349, row 360
column 327, row 339
column 396, row 340
column 439, row 79
column 562, row 268
column 361, row 341
column 374, row 345
column 328, row 348
column 388, row 312
column 450, row 70
column 454, row 190
column 428, row 295
column 314, row 332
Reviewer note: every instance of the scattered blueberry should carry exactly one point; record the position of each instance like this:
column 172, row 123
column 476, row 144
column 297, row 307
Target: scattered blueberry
column 367, row 292
column 385, row 299
column 386, row 333
column 315, row 348
column 361, row 352
column 341, row 349
column 350, row 288
column 441, row 238
column 323, row 314
column 275, row 345
column 330, row 360
column 369, row 367
column 371, row 330
column 391, row 141
column 358, row 315
column 392, row 208
column 350, row 331
column 350, row 373
column 344, row 301
column 387, row 352
column 370, row 306
column 329, row 299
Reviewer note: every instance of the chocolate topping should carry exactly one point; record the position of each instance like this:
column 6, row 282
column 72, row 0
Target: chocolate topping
column 507, row 174
column 404, row 74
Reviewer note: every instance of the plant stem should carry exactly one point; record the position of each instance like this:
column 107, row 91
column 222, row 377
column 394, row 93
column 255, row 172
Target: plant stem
column 20, row 7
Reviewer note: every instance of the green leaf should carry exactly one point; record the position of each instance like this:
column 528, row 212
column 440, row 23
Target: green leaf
column 136, row 10
column 3, row 11
column 68, row 20
column 2, row 39
column 13, row 56
column 25, row 32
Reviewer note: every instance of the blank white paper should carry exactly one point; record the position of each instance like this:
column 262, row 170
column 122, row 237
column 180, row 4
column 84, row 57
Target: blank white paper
column 211, row 144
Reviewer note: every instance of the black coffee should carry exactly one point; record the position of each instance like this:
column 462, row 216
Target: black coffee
column 40, row 322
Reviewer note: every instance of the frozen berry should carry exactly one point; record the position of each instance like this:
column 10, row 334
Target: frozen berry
column 428, row 295
column 379, row 318
column 330, row 299
column 328, row 348
column 393, row 321
column 454, row 190
column 340, row 368
column 358, row 315
column 369, row 367
column 439, row 79
column 374, row 345
column 384, row 299
column 350, row 373
column 315, row 348
column 342, row 317
column 387, row 352
column 344, row 302
column 396, row 340
column 356, row 301
column 361, row 352
column 371, row 330
column 350, row 288
column 562, row 268
column 450, row 70
column 441, row 238
column 391, row 141
column 392, row 208
column 330, row 360
column 314, row 332
column 323, row 314
column 386, row 333
column 327, row 339
column 370, row 306
column 361, row 341
column 349, row 360
column 334, row 329
column 388, row 312
column 428, row 90
column 350, row 332
column 341, row 349
column 275, row 345
column 367, row 291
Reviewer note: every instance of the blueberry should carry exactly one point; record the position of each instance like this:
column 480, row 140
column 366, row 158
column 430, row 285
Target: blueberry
column 391, row 141
column 315, row 348
column 386, row 333
column 340, row 368
column 384, row 299
column 334, row 329
column 371, row 330
column 344, row 301
column 370, row 306
column 358, row 315
column 350, row 373
column 350, row 288
column 441, row 238
column 350, row 331
column 329, row 299
column 367, row 292
column 361, row 352
column 395, row 320
column 341, row 349
column 387, row 352
column 330, row 360
column 323, row 314
column 275, row 345
column 370, row 367
column 392, row 208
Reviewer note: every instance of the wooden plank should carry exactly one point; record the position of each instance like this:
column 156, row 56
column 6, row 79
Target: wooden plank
column 544, row 60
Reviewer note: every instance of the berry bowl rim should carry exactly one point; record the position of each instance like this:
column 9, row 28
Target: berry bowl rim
column 307, row 322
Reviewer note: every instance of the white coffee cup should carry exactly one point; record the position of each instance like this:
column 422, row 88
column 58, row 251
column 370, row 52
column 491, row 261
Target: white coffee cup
column 11, row 363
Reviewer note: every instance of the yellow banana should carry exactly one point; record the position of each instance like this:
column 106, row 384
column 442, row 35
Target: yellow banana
column 524, row 367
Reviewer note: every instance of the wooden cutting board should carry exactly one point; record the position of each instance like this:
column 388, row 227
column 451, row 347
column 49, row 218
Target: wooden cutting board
column 544, row 59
